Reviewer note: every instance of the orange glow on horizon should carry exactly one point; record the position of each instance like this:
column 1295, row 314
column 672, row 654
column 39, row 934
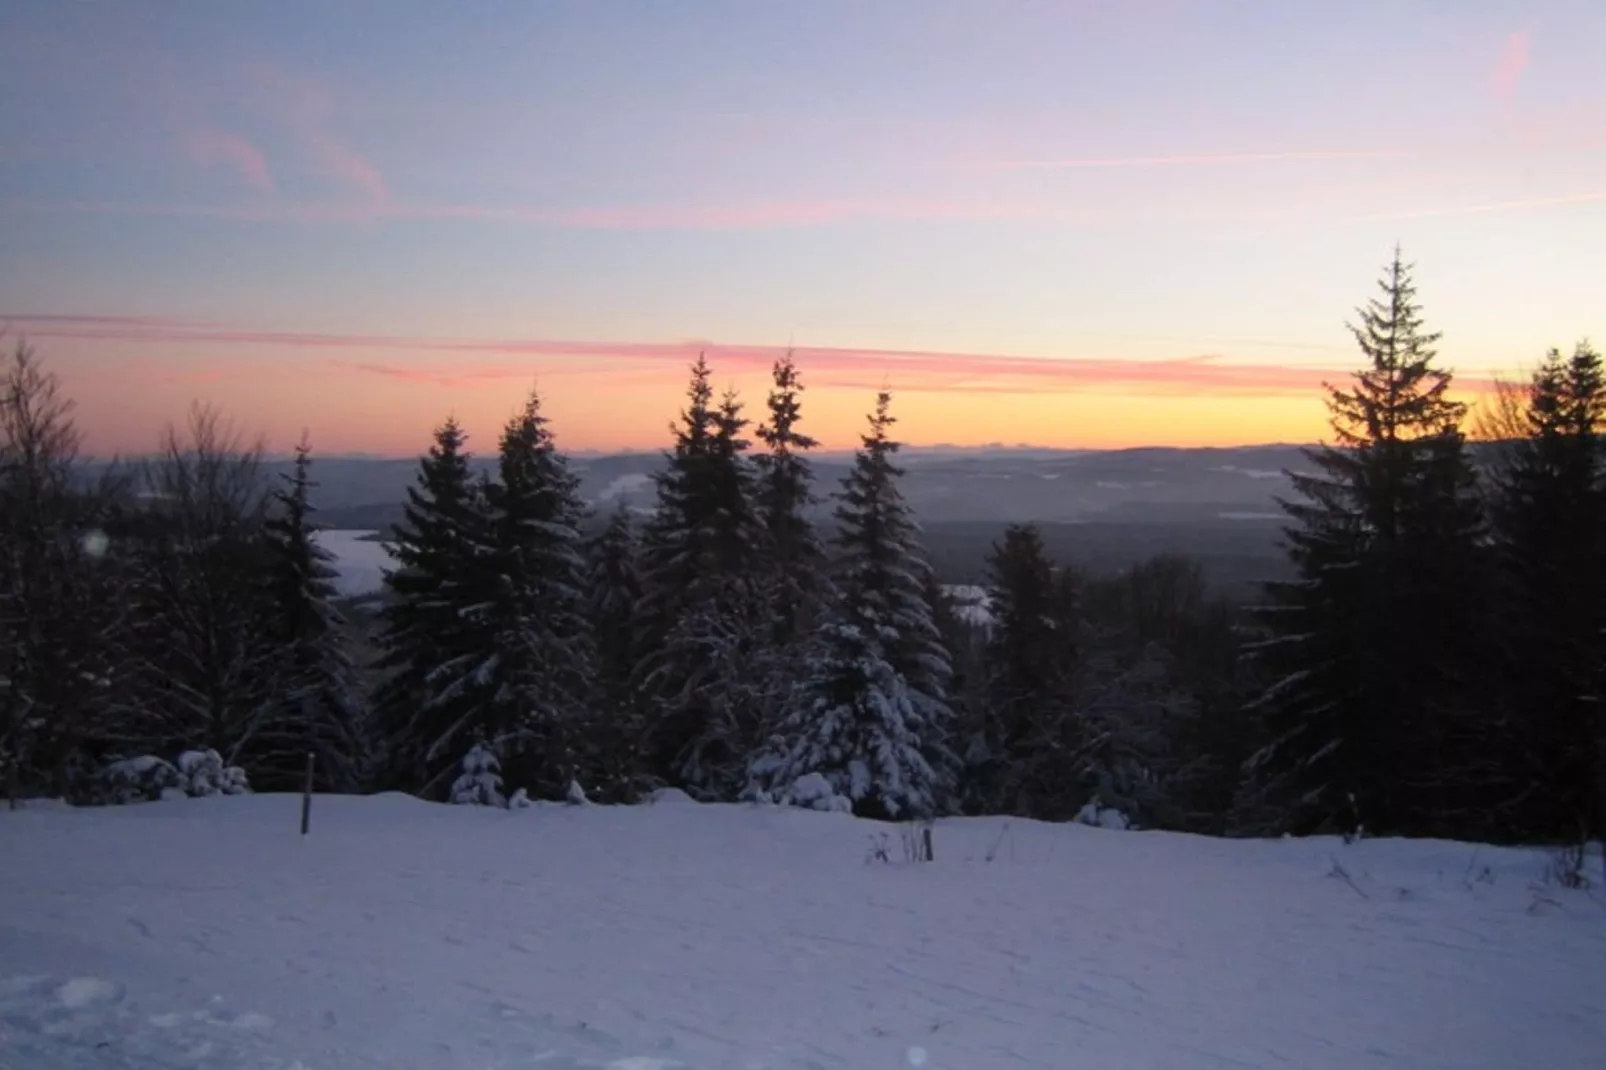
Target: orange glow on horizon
column 122, row 408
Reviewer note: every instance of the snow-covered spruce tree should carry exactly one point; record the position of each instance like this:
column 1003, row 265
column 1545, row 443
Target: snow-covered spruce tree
column 795, row 585
column 525, row 689
column 200, row 639
column 613, row 589
column 1030, row 662
column 795, row 555
column 439, row 548
column 1548, row 512
column 613, row 593
column 1372, row 713
column 480, row 782
column 314, row 704
column 871, row 715
column 702, row 620
column 964, row 635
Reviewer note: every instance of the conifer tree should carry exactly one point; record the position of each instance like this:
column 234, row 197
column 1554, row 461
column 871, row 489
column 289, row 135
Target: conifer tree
column 314, row 705
column 613, row 588
column 1548, row 510
column 613, row 593
column 526, row 685
column 1372, row 710
column 871, row 716
column 675, row 546
column 702, row 606
column 439, row 551
column 796, row 556
column 1030, row 659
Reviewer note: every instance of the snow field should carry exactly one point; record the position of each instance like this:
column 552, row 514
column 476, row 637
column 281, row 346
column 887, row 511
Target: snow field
column 401, row 934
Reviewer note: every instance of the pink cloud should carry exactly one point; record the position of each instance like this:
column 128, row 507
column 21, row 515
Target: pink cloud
column 692, row 216
column 1509, row 66
column 209, row 147
column 1192, row 160
column 1487, row 208
column 857, row 368
column 307, row 109
column 351, row 166
column 449, row 378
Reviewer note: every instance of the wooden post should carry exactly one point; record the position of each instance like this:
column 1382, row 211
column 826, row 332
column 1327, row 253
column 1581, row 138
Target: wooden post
column 926, row 835
column 306, row 796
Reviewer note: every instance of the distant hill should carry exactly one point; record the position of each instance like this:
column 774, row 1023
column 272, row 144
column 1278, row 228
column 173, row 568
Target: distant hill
column 1102, row 509
column 943, row 486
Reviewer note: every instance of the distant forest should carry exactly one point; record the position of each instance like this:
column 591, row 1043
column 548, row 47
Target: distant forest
column 1428, row 660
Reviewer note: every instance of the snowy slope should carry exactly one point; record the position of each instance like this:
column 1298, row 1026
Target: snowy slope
column 206, row 933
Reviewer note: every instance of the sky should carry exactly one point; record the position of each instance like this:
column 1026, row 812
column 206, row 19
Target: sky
column 1079, row 223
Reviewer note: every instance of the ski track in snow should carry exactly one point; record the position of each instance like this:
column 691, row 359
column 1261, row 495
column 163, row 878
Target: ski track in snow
column 206, row 933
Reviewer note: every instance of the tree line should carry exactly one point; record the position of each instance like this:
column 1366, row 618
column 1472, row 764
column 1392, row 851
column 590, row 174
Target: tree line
column 1433, row 668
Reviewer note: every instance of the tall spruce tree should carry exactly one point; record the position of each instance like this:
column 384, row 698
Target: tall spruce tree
column 439, row 551
column 1372, row 713
column 314, row 705
column 675, row 545
column 1548, row 510
column 796, row 556
column 613, row 594
column 526, row 687
column 702, row 607
column 872, row 714
column 1030, row 662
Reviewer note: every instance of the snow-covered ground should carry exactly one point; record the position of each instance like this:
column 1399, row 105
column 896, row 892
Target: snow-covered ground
column 400, row 934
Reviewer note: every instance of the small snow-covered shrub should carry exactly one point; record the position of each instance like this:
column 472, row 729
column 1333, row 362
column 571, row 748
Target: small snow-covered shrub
column 576, row 795
column 141, row 779
column 147, row 778
column 519, row 800
column 1102, row 817
column 813, row 791
column 481, row 781
column 202, row 773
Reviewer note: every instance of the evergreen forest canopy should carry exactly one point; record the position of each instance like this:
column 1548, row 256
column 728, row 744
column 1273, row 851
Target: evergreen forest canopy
column 1434, row 667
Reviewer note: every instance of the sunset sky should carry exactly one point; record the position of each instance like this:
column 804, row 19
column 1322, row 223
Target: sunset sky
column 1058, row 222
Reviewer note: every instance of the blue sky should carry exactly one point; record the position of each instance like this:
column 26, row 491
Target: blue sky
column 417, row 208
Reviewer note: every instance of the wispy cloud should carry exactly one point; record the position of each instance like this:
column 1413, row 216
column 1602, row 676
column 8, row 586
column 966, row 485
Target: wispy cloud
column 467, row 362
column 686, row 216
column 1509, row 66
column 451, row 377
column 307, row 109
column 210, row 147
column 1216, row 159
column 1520, row 204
